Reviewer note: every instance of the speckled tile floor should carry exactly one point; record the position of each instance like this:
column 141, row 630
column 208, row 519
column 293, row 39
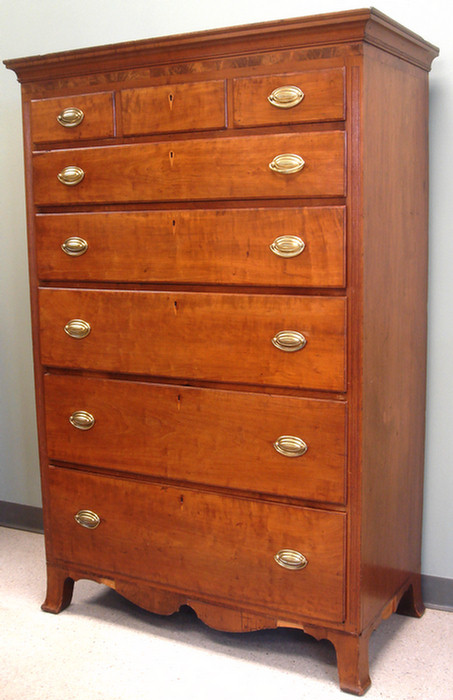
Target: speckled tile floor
column 104, row 648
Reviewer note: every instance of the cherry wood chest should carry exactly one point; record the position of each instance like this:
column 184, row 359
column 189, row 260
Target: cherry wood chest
column 228, row 247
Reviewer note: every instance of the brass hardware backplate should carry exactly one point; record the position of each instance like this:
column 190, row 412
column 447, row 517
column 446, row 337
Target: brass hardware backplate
column 290, row 446
column 77, row 328
column 71, row 175
column 291, row 559
column 82, row 420
column 287, row 163
column 70, row 117
column 286, row 96
column 74, row 246
column 287, row 246
column 289, row 341
column 88, row 519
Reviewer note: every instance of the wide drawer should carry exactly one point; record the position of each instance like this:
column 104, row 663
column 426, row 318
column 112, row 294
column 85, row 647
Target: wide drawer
column 195, row 169
column 279, row 445
column 231, row 246
column 201, row 543
column 219, row 337
column 289, row 98
column 72, row 118
column 174, row 107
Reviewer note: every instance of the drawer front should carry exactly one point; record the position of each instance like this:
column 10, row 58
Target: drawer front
column 215, row 545
column 223, row 438
column 178, row 107
column 95, row 112
column 222, row 168
column 315, row 96
column 231, row 246
column 219, row 337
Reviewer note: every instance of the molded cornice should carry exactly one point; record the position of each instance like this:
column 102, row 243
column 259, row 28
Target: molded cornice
column 366, row 25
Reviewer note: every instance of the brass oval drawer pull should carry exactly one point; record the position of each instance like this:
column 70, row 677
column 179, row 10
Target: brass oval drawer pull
column 77, row 328
column 289, row 341
column 290, row 446
column 287, row 163
column 71, row 175
column 87, row 518
column 82, row 420
column 74, row 246
column 286, row 96
column 291, row 559
column 287, row 246
column 71, row 116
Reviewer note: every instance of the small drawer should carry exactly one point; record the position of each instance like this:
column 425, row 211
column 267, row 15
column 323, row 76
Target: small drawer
column 281, row 445
column 285, row 247
column 279, row 340
column 278, row 166
column 178, row 107
column 289, row 98
column 72, row 118
column 192, row 541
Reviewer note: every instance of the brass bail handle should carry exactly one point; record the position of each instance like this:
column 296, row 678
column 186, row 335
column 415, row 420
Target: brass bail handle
column 88, row 519
column 289, row 341
column 82, row 420
column 287, row 246
column 291, row 559
column 71, row 175
column 77, row 328
column 286, row 96
column 287, row 163
column 290, row 446
column 74, row 246
column 70, row 117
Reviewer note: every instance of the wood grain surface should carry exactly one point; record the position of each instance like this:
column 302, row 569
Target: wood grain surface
column 98, row 120
column 194, row 169
column 395, row 309
column 207, row 436
column 173, row 107
column 197, row 335
column 198, row 541
column 323, row 99
column 178, row 207
column 229, row 246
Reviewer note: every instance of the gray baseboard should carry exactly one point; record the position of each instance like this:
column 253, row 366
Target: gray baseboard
column 21, row 517
column 437, row 592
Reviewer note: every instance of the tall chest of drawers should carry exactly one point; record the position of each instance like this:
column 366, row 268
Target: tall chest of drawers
column 228, row 235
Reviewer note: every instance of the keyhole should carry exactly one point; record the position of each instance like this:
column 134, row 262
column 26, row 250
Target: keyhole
column 171, row 155
column 170, row 101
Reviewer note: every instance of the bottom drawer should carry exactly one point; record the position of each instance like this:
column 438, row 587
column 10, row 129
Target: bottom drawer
column 216, row 547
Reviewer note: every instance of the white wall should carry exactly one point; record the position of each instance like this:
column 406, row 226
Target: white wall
column 54, row 25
